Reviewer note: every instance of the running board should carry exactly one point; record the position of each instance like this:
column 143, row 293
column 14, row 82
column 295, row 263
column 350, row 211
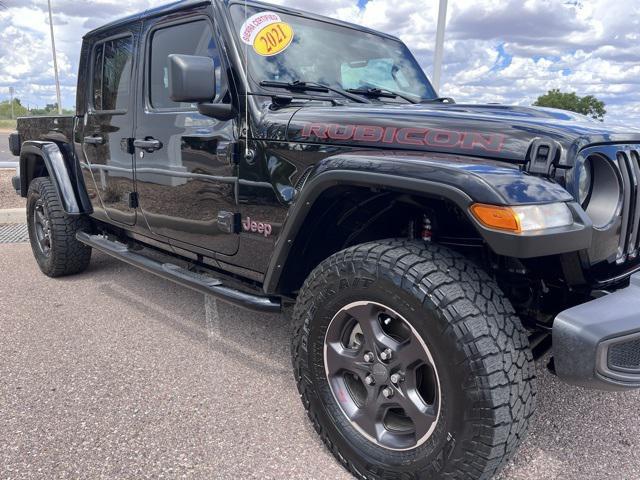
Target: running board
column 182, row 276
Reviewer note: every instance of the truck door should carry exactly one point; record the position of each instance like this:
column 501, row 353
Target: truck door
column 185, row 173
column 108, row 126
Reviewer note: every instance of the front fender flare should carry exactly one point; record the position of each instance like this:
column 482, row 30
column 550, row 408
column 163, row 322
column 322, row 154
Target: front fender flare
column 456, row 179
column 57, row 169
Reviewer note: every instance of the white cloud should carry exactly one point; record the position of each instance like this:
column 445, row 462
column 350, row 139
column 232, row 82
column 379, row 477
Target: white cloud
column 507, row 51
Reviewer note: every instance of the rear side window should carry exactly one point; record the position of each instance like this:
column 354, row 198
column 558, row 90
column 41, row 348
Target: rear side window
column 195, row 38
column 112, row 74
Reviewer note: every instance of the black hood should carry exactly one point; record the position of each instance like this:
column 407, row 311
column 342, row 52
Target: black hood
column 494, row 131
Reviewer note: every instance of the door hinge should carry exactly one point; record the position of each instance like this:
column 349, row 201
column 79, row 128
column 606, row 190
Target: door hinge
column 126, row 144
column 228, row 152
column 234, row 153
column 133, row 200
column 229, row 222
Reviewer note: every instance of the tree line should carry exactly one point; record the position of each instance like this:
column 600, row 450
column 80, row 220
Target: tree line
column 587, row 105
column 19, row 110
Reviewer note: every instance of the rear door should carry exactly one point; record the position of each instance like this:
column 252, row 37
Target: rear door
column 188, row 178
column 108, row 125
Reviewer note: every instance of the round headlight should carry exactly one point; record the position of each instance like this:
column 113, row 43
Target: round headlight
column 585, row 182
column 600, row 190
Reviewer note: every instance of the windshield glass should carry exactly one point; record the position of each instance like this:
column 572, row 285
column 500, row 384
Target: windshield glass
column 286, row 48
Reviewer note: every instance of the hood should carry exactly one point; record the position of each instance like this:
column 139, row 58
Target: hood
column 494, row 131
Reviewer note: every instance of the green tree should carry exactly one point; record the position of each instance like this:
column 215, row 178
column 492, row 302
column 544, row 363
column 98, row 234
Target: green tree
column 588, row 105
column 51, row 109
column 18, row 109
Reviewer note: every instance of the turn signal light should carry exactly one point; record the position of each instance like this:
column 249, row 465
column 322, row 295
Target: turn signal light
column 492, row 216
column 523, row 218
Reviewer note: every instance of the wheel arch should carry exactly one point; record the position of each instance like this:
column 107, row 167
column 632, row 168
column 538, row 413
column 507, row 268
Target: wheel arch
column 338, row 198
column 48, row 159
column 449, row 184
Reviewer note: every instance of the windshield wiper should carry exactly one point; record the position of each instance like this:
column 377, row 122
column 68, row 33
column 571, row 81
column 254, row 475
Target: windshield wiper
column 380, row 92
column 439, row 100
column 300, row 86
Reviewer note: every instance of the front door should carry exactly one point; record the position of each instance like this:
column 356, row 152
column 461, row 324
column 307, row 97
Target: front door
column 186, row 176
column 108, row 126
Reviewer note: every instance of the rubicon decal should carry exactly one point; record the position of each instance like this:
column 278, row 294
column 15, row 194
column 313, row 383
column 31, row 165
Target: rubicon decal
column 415, row 136
column 263, row 228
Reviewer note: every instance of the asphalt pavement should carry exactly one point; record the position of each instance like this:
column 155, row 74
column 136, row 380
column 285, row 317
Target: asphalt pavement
column 7, row 160
column 116, row 373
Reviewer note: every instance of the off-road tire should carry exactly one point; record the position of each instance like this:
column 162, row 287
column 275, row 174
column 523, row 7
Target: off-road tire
column 66, row 255
column 478, row 343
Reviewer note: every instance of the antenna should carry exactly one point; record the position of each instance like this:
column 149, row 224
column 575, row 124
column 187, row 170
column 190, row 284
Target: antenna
column 246, row 90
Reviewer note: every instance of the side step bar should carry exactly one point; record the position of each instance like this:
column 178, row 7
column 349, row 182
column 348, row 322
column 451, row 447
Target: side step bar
column 182, row 276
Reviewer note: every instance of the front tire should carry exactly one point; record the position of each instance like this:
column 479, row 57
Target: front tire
column 52, row 232
column 471, row 375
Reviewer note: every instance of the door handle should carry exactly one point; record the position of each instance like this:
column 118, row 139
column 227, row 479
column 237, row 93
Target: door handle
column 147, row 144
column 94, row 140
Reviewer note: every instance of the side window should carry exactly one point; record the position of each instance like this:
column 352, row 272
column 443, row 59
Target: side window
column 195, row 38
column 97, row 77
column 112, row 74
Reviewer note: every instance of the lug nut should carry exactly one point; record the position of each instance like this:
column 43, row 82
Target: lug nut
column 386, row 354
column 369, row 380
column 396, row 378
column 368, row 357
column 387, row 392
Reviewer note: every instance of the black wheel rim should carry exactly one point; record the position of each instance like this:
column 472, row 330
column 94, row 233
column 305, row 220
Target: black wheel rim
column 42, row 227
column 382, row 375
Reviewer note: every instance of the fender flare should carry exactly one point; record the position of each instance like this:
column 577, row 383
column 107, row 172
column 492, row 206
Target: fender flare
column 58, row 170
column 349, row 169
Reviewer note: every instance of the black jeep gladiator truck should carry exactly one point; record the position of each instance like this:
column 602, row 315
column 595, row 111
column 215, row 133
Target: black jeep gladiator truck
column 431, row 250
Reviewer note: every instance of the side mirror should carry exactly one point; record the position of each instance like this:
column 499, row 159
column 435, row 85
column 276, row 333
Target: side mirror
column 192, row 79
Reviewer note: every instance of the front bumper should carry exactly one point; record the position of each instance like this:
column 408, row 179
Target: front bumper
column 597, row 344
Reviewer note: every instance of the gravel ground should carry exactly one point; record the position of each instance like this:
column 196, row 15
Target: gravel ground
column 8, row 197
column 115, row 373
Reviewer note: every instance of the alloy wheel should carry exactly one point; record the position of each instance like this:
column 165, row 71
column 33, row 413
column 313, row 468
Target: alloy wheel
column 42, row 227
column 382, row 375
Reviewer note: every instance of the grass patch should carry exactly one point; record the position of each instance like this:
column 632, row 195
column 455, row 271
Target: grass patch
column 7, row 124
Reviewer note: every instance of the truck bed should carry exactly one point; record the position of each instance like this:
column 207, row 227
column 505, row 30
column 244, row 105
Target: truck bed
column 57, row 128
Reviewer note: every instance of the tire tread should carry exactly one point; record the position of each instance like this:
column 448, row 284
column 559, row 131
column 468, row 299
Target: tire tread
column 68, row 255
column 495, row 344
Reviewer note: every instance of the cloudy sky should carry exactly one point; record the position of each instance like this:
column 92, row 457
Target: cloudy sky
column 505, row 51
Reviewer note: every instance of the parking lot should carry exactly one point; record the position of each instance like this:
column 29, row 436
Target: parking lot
column 115, row 373
column 6, row 159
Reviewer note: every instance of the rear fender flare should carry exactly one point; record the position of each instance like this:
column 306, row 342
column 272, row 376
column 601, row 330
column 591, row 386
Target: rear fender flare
column 54, row 161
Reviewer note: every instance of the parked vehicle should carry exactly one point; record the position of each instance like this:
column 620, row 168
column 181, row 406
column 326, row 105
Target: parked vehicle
column 432, row 250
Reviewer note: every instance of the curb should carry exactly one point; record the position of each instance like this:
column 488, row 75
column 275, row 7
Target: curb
column 12, row 215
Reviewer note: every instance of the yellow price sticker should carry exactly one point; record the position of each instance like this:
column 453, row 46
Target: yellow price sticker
column 273, row 39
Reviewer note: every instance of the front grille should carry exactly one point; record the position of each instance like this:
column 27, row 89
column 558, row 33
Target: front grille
column 629, row 164
column 624, row 356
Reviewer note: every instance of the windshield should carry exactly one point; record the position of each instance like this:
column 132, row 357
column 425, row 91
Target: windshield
column 289, row 48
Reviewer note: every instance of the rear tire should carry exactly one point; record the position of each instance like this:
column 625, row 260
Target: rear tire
column 479, row 349
column 52, row 232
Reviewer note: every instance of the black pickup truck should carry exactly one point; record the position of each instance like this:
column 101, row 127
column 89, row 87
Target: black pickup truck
column 432, row 250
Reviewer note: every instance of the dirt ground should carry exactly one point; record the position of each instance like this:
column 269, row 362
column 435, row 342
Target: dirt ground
column 8, row 197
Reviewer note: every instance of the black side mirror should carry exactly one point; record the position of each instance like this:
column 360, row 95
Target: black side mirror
column 192, row 79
